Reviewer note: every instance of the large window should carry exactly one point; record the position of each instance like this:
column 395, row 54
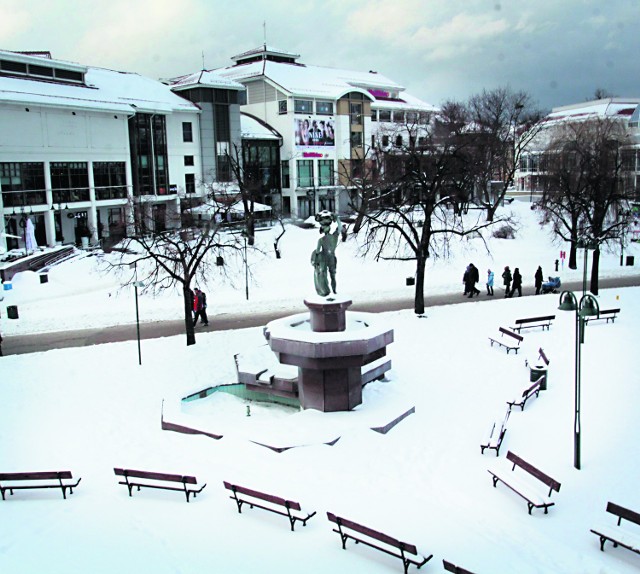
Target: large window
column 189, row 183
column 356, row 139
column 286, row 182
column 303, row 106
column 325, row 172
column 187, row 132
column 22, row 183
column 69, row 181
column 324, row 108
column 305, row 173
column 384, row 115
column 282, row 106
column 374, row 115
column 148, row 143
column 109, row 179
column 355, row 113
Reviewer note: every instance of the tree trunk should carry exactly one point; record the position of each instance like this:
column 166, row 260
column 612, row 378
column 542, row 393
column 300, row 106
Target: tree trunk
column 573, row 254
column 188, row 315
column 491, row 211
column 595, row 268
column 250, row 225
column 362, row 208
column 418, row 305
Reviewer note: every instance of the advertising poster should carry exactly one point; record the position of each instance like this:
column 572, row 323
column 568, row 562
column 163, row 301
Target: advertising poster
column 314, row 132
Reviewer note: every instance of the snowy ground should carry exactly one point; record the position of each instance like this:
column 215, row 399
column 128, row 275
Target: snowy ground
column 91, row 409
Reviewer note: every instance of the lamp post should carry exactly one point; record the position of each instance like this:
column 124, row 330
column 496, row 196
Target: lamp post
column 587, row 306
column 246, row 266
column 137, row 284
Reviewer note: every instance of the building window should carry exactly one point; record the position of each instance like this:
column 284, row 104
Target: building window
column 398, row 117
column 148, row 144
column 398, row 141
column 355, row 113
column 187, row 132
column 374, row 115
column 109, row 180
column 324, row 108
column 189, row 183
column 69, row 181
column 305, row 173
column 282, row 107
column 356, row 139
column 303, row 106
column 284, row 167
column 357, row 168
column 22, row 184
column 385, row 141
column 242, row 98
column 188, row 160
column 412, row 117
column 384, row 115
column 325, row 172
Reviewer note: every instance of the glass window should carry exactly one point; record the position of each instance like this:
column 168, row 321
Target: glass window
column 324, row 108
column 69, row 181
column 412, row 117
column 356, row 139
column 284, row 166
column 109, row 179
column 305, row 173
column 303, row 106
column 188, row 160
column 41, row 71
column 190, row 182
column 398, row 117
column 187, row 132
column 374, row 115
column 282, row 107
column 325, row 172
column 384, row 115
column 398, row 141
column 355, row 113
column 385, row 141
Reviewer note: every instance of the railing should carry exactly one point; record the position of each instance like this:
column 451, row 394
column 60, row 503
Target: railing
column 70, row 195
column 103, row 193
column 23, row 198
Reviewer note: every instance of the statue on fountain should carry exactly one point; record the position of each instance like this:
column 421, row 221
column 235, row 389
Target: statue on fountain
column 323, row 257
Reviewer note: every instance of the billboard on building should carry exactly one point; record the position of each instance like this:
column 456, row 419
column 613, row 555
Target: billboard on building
column 314, row 132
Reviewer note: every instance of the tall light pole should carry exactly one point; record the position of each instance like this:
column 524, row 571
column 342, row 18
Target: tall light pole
column 587, row 306
column 246, row 266
column 137, row 284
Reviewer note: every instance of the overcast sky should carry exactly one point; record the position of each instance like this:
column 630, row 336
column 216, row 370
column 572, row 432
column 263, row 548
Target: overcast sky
column 559, row 51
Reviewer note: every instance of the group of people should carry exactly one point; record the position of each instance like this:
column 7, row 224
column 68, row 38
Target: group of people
column 511, row 282
column 199, row 306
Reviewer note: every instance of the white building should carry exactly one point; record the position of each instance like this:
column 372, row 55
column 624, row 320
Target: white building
column 80, row 145
column 328, row 119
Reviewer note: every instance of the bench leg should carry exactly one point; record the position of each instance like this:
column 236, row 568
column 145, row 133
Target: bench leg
column 531, row 507
column 602, row 541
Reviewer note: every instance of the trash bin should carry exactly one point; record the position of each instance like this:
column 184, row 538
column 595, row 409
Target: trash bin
column 12, row 311
column 7, row 285
column 537, row 371
column 219, row 261
column 630, row 260
column 411, row 281
column 44, row 278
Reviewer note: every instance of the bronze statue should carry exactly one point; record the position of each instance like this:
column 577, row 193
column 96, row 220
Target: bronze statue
column 323, row 257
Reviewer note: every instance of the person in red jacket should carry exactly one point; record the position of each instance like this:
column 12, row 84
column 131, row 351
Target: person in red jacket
column 200, row 308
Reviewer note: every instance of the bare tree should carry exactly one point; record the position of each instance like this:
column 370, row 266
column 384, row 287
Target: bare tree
column 176, row 258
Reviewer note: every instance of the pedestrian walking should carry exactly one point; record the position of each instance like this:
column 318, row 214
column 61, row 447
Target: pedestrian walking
column 517, row 283
column 473, row 278
column 200, row 307
column 465, row 281
column 506, row 280
column 490, row 276
column 539, row 278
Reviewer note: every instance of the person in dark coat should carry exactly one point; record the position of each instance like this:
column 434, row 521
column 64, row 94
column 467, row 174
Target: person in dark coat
column 474, row 277
column 506, row 279
column 539, row 278
column 465, row 281
column 517, row 283
column 200, row 304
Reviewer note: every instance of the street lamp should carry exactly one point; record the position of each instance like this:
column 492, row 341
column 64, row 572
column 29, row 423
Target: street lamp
column 586, row 307
column 137, row 284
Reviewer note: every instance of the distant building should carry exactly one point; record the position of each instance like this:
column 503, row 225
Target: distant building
column 327, row 118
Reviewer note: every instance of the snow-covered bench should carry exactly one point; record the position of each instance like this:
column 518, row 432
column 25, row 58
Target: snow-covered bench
column 450, row 567
column 494, row 437
column 511, row 343
column 275, row 502
column 530, row 322
column 521, row 399
column 617, row 534
column 161, row 480
column 604, row 315
column 524, row 485
column 28, row 480
column 372, row 536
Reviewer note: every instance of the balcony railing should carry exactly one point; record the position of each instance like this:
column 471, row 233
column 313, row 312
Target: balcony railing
column 70, row 195
column 103, row 193
column 23, row 198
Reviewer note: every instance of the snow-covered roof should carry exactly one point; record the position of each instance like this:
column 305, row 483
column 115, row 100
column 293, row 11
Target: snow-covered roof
column 607, row 107
column 104, row 90
column 203, row 79
column 265, row 49
column 254, row 128
column 321, row 82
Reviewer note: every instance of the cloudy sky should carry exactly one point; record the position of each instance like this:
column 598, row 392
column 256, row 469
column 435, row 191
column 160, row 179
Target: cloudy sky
column 559, row 51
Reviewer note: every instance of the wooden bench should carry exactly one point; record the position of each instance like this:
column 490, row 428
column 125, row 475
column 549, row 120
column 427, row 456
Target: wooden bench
column 403, row 547
column 618, row 535
column 522, row 485
column 159, row 480
column 541, row 356
column 509, row 345
column 449, row 567
column 496, row 435
column 530, row 322
column 276, row 501
column 8, row 478
column 609, row 315
column 533, row 390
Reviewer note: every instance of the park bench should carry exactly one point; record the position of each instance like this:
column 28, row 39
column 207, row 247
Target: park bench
column 7, row 480
column 522, row 484
column 276, row 502
column 373, row 536
column 161, row 480
column 541, row 356
column 449, row 567
column 604, row 315
column 495, row 436
column 511, row 343
column 530, row 322
column 617, row 534
column 533, row 390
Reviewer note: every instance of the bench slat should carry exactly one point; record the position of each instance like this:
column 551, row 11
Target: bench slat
column 263, row 496
column 154, row 475
column 44, row 475
column 623, row 512
column 372, row 533
column 532, row 470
